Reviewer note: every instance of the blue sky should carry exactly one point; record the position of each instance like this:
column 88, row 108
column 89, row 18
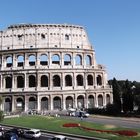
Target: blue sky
column 113, row 27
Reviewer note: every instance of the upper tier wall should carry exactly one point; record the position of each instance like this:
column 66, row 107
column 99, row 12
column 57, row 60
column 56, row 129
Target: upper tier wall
column 44, row 36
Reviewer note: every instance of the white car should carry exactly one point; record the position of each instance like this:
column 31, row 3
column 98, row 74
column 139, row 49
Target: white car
column 32, row 133
column 59, row 137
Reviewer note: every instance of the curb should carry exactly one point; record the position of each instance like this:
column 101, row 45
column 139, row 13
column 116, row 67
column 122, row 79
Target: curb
column 58, row 133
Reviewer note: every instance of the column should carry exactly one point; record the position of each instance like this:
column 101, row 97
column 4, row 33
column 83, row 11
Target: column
column 75, row 101
column 26, row 103
column 51, row 102
column 104, row 99
column 96, row 100
column 49, row 59
column 64, row 102
column 14, row 61
column 13, row 82
column 62, row 80
column 38, row 103
column 37, row 63
column 13, row 104
column 86, row 100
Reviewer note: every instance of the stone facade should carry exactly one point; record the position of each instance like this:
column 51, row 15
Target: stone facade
column 50, row 67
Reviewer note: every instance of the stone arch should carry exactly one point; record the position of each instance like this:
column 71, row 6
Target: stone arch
column 19, row 104
column 90, row 80
column 43, row 59
column 20, row 82
column 91, row 102
column 99, row 80
column 9, row 61
column 32, row 103
column 80, row 101
column 56, row 103
column 100, row 100
column 56, row 59
column 44, row 81
column 107, row 99
column 78, row 59
column 32, row 60
column 68, row 80
column 67, row 59
column 20, row 60
column 32, row 81
column 8, row 104
column 66, row 37
column 88, row 60
column 69, row 102
column 79, row 79
column 44, row 103
column 8, row 82
column 56, row 81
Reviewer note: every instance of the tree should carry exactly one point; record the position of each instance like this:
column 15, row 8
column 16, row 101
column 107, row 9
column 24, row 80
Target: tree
column 116, row 94
column 127, row 97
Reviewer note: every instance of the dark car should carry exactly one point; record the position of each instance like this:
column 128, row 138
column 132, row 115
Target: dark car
column 10, row 136
column 17, row 131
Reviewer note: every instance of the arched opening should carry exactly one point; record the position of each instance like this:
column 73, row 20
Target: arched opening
column 99, row 80
column 19, row 104
column 32, row 81
column 66, row 37
column 78, row 60
column 56, row 81
column 69, row 102
column 90, row 80
column 9, row 61
column 56, row 59
column 80, row 102
column 88, row 60
column 8, row 82
column 43, row 60
column 57, row 103
column 8, row 105
column 44, row 103
column 20, row 60
column 32, row 60
column 107, row 99
column 44, row 81
column 68, row 80
column 79, row 79
column 100, row 101
column 91, row 103
column 32, row 103
column 67, row 59
column 43, row 36
column 20, row 82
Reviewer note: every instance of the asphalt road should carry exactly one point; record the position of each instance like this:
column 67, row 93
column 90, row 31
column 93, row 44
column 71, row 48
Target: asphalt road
column 122, row 122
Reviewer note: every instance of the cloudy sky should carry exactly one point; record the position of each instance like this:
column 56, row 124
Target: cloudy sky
column 113, row 27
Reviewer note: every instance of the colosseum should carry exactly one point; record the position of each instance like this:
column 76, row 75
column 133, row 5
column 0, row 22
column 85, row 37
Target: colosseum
column 50, row 67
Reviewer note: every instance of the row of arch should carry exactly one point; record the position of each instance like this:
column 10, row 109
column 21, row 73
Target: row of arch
column 57, row 103
column 56, row 81
column 55, row 59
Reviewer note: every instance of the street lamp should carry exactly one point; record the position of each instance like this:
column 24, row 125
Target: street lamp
column 133, row 89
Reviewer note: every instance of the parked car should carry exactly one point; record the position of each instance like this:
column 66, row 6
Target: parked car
column 59, row 137
column 17, row 131
column 1, row 131
column 32, row 133
column 10, row 136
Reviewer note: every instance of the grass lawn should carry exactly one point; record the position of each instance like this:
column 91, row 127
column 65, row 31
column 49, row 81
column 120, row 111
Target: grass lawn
column 56, row 124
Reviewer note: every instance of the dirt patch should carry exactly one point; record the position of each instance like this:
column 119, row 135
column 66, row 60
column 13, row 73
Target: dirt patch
column 109, row 126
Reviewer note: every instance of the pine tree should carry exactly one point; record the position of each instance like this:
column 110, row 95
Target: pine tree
column 116, row 94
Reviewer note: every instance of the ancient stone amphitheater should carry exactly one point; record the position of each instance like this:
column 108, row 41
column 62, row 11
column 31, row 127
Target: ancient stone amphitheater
column 50, row 67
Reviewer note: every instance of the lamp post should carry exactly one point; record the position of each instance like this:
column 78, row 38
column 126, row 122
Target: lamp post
column 133, row 89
